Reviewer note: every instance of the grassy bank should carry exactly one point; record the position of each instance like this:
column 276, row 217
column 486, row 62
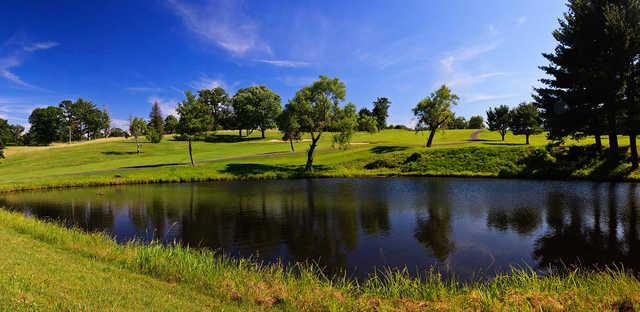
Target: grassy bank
column 50, row 267
column 225, row 156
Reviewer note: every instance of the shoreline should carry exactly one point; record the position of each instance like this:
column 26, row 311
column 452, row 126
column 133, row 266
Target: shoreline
column 242, row 284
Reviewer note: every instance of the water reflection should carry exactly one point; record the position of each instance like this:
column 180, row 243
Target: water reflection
column 461, row 226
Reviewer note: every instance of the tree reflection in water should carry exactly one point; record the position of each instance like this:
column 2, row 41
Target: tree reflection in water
column 465, row 224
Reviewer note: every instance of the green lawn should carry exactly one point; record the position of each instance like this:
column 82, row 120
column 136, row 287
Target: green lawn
column 114, row 161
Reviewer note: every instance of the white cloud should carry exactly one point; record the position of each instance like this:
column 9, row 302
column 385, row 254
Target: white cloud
column 40, row 46
column 16, row 57
column 223, row 23
column 120, row 123
column 450, row 61
column 472, row 98
column 205, row 82
column 167, row 106
column 463, row 79
column 285, row 63
column 521, row 20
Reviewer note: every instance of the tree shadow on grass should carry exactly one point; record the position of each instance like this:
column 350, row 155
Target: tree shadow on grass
column 154, row 165
column 116, row 153
column 387, row 149
column 243, row 170
column 228, row 138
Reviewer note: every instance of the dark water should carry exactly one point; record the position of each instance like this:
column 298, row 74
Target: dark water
column 468, row 227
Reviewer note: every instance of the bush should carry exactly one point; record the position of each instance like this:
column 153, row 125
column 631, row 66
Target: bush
column 153, row 136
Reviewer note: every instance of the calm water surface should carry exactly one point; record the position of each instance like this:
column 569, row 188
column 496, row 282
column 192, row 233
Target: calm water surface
column 467, row 227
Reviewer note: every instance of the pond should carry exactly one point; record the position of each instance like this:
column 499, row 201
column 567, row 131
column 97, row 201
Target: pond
column 471, row 228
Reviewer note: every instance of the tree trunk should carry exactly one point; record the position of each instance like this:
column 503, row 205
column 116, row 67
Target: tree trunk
column 598, row 141
column 291, row 143
column 502, row 134
column 431, row 135
column 240, row 132
column 634, row 150
column 137, row 146
column 70, row 135
column 263, row 130
column 613, row 136
column 314, row 142
column 527, row 138
column 193, row 164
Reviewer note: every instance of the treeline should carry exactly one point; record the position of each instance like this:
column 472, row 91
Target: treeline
column 522, row 120
column 593, row 84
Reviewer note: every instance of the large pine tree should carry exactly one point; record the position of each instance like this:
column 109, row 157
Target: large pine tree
column 156, row 122
column 579, row 97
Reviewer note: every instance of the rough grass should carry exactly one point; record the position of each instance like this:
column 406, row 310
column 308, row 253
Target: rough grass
column 91, row 272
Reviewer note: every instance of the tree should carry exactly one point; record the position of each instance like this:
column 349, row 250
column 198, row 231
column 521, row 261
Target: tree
column 434, row 111
column 588, row 70
column 623, row 28
column 525, row 120
column 137, row 128
column 476, row 122
column 367, row 121
column 156, row 124
column 315, row 108
column 290, row 127
column 195, row 119
column 67, row 108
column 257, row 107
column 381, row 111
column 1, row 149
column 219, row 104
column 47, row 124
column 458, row 123
column 118, row 133
column 170, row 124
column 345, row 123
column 499, row 119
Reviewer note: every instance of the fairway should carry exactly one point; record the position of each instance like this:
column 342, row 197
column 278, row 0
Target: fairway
column 62, row 162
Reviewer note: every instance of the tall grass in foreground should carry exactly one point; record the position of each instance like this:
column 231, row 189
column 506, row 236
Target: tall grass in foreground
column 246, row 284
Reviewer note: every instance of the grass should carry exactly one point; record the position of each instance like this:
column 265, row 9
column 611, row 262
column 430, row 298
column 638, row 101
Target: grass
column 225, row 156
column 49, row 267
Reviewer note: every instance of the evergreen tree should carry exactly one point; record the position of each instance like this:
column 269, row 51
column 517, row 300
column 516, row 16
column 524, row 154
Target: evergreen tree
column 156, row 124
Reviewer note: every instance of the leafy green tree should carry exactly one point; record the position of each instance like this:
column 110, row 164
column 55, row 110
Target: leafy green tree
column 381, row 111
column 170, row 124
column 156, row 124
column 367, row 121
column 257, row 107
column 290, row 127
column 195, row 119
column 1, row 149
column 434, row 111
column 315, row 108
column 47, row 124
column 137, row 128
column 525, row 120
column 458, row 123
column 5, row 130
column 118, row 133
column 68, row 114
column 219, row 104
column 499, row 119
column 345, row 123
column 476, row 122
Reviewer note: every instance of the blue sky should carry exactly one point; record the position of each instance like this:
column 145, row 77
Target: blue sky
column 123, row 55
